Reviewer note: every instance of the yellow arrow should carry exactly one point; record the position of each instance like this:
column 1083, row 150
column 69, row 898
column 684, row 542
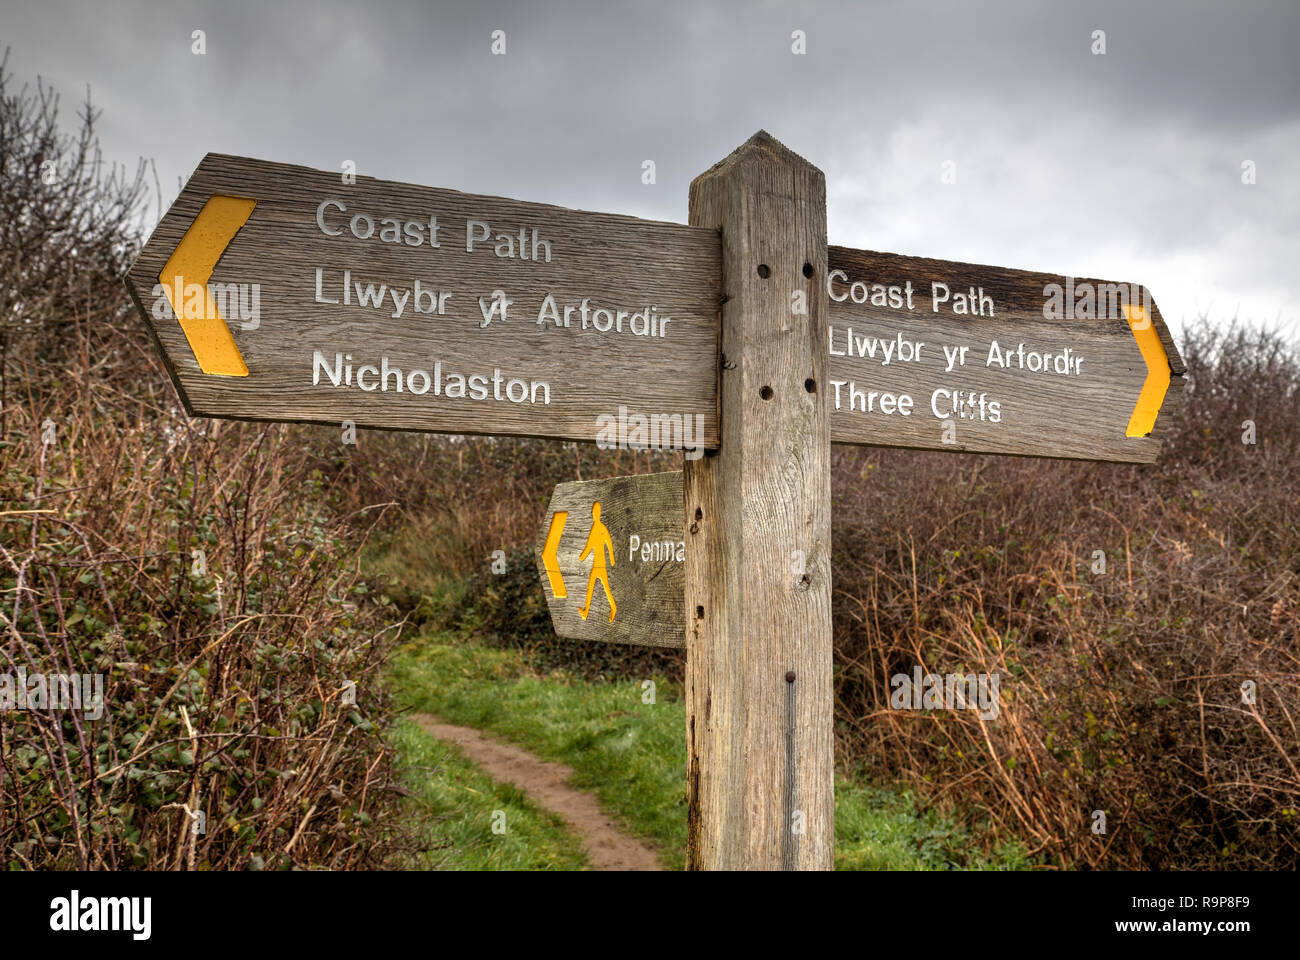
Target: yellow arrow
column 1156, row 386
column 549, row 559
column 188, row 270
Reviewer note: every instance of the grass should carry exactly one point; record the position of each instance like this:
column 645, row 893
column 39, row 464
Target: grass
column 463, row 804
column 883, row 829
column 632, row 754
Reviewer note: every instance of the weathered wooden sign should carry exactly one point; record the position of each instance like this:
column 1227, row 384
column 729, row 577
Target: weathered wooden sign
column 277, row 292
column 951, row 356
column 610, row 555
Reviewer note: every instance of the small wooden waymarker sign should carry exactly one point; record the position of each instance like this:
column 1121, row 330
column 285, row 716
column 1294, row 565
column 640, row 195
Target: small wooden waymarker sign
column 277, row 292
column 616, row 540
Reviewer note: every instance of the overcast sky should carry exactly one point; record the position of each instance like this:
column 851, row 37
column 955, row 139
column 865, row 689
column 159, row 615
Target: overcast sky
column 1125, row 166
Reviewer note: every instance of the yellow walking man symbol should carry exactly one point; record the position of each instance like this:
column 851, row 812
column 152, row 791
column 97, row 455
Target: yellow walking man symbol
column 598, row 545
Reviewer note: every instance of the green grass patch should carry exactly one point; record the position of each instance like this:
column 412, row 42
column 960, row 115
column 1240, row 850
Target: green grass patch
column 880, row 829
column 632, row 754
column 457, row 805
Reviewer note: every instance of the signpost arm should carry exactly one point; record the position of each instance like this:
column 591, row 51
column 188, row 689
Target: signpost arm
column 757, row 569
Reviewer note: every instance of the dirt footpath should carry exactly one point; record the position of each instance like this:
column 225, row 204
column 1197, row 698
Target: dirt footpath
column 547, row 785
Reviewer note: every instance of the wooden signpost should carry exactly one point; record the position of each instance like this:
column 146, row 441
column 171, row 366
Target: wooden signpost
column 412, row 308
column 282, row 293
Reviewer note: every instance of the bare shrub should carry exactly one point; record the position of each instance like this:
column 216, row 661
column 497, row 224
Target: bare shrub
column 69, row 222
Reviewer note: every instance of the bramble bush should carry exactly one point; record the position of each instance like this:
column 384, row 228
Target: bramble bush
column 206, row 575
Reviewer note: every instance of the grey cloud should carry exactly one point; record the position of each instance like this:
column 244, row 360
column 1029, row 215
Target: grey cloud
column 1066, row 161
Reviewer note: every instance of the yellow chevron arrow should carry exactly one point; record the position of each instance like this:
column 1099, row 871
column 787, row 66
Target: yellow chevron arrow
column 1156, row 386
column 549, row 559
column 191, row 263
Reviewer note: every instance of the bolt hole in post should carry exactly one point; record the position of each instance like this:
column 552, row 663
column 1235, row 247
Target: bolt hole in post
column 699, row 513
column 808, row 270
column 810, row 385
column 699, row 613
column 764, row 270
column 765, row 393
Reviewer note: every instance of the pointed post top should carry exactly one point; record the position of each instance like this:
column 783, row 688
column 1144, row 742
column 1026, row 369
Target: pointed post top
column 762, row 149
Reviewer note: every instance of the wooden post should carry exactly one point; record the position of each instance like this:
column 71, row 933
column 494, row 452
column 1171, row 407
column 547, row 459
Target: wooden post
column 758, row 572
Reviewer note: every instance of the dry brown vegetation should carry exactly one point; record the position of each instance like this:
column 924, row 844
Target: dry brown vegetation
column 202, row 571
column 1122, row 691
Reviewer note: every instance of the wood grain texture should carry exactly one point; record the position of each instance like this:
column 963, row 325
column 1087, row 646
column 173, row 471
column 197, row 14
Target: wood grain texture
column 646, row 583
column 1083, row 416
column 759, row 747
column 620, row 263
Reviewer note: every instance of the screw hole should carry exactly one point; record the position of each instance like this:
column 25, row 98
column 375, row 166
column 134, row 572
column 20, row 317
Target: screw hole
column 807, row 270
column 764, row 270
column 810, row 385
column 765, row 393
